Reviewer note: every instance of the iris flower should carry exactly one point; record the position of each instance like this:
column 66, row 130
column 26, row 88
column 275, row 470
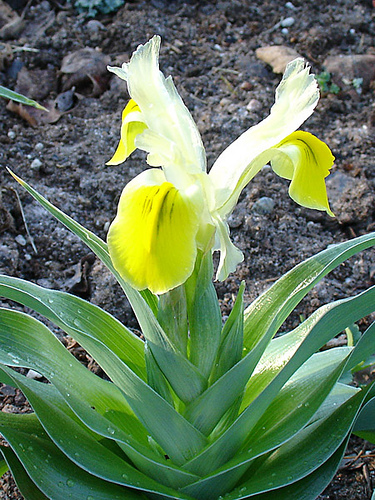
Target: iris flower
column 167, row 215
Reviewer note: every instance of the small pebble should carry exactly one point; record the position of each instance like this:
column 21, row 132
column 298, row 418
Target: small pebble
column 287, row 22
column 39, row 146
column 254, row 105
column 290, row 6
column 246, row 86
column 94, row 26
column 285, row 31
column 27, row 256
column 33, row 374
column 264, row 206
column 21, row 240
column 36, row 164
column 11, row 134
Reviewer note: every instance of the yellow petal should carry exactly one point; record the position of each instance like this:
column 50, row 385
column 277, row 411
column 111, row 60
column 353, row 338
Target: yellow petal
column 152, row 241
column 130, row 129
column 305, row 160
column 296, row 98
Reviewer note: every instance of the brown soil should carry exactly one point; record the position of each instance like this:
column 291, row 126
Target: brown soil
column 209, row 48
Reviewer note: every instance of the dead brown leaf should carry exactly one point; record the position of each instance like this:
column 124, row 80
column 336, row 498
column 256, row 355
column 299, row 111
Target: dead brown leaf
column 277, row 56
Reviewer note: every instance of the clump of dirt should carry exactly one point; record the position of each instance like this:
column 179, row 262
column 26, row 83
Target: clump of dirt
column 210, row 49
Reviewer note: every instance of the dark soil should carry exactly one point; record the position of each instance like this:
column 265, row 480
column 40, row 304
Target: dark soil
column 209, row 48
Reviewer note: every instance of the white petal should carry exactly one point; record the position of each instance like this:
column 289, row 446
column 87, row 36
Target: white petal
column 163, row 110
column 230, row 255
column 296, row 98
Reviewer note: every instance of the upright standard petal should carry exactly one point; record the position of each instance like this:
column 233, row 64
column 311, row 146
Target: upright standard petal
column 163, row 111
column 306, row 161
column 296, row 98
column 152, row 241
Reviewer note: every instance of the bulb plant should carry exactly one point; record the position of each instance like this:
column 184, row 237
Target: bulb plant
column 199, row 409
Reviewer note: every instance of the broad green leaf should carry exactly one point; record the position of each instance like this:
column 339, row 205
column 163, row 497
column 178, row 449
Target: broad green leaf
column 310, row 447
column 80, row 444
column 3, row 467
column 290, row 411
column 75, row 315
column 365, row 423
column 231, row 343
column 204, row 317
column 311, row 485
column 267, row 313
column 320, row 327
column 52, row 472
column 15, row 96
column 363, row 348
column 172, row 316
column 26, row 486
column 180, row 440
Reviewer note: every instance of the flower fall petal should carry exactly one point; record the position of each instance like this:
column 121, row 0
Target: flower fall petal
column 152, row 241
column 306, row 161
column 132, row 126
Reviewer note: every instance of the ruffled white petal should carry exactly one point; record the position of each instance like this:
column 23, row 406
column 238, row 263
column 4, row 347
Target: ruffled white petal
column 296, row 98
column 163, row 111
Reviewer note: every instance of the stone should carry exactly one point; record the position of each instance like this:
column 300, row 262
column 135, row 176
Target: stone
column 264, row 206
column 345, row 68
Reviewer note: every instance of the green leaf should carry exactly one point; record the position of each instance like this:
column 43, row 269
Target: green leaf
column 3, row 467
column 231, row 344
column 315, row 332
column 180, row 440
column 268, row 312
column 58, row 477
column 365, row 423
column 289, row 412
column 26, row 486
column 310, row 447
column 15, row 96
column 77, row 316
column 80, row 444
column 311, row 485
column 204, row 316
column 172, row 316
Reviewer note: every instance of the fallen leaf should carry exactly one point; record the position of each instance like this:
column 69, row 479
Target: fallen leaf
column 277, row 56
column 87, row 70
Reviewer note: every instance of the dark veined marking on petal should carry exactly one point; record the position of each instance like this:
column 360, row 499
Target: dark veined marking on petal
column 161, row 213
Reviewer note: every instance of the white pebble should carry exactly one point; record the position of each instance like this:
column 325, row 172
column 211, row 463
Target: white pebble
column 285, row 31
column 21, row 240
column 287, row 22
column 39, row 146
column 33, row 374
column 36, row 164
column 290, row 6
column 11, row 134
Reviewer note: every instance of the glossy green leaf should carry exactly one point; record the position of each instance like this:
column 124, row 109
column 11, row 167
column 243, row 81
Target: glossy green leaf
column 15, row 96
column 365, row 423
column 204, row 317
column 290, row 411
column 26, row 486
column 52, row 472
column 80, row 444
column 231, row 343
column 267, row 313
column 311, row 485
column 315, row 331
column 313, row 445
column 180, row 440
column 77, row 316
column 189, row 383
